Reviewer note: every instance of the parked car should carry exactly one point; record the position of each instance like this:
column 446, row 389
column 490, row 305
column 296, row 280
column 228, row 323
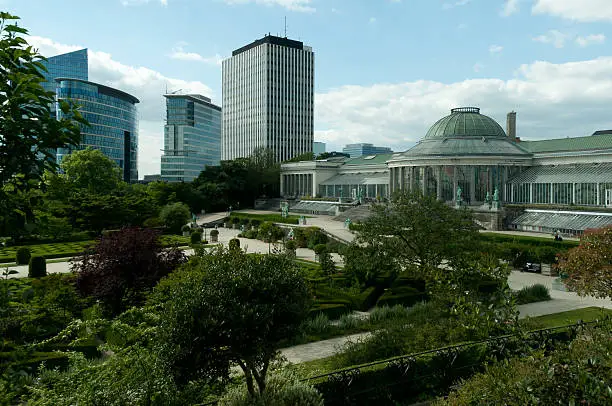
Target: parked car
column 531, row 267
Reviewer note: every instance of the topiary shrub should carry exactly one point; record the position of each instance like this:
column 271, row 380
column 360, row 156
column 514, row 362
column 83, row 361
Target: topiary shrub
column 234, row 244
column 37, row 267
column 320, row 248
column 23, row 255
column 196, row 237
column 532, row 294
column 290, row 246
column 186, row 229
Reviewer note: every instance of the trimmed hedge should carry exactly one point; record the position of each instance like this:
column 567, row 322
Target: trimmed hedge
column 273, row 218
column 331, row 310
column 405, row 296
column 196, row 237
column 23, row 255
column 37, row 267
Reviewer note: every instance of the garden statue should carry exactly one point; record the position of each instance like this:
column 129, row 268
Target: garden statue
column 285, row 210
column 488, row 199
column 459, row 198
column 347, row 222
column 291, row 234
column 360, row 195
column 496, row 203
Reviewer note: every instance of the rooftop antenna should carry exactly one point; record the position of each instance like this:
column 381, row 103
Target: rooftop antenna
column 285, row 26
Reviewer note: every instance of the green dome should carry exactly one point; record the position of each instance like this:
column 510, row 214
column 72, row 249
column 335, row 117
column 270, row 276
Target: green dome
column 465, row 122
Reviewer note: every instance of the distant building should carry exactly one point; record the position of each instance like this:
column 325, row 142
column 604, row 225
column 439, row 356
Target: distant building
column 151, row 178
column 357, row 150
column 113, row 122
column 192, row 137
column 318, row 148
column 70, row 65
column 268, row 99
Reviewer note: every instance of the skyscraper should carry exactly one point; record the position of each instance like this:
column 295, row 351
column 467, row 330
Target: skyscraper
column 268, row 98
column 192, row 137
column 113, row 123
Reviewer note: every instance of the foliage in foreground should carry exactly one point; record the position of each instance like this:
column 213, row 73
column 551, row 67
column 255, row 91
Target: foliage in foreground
column 532, row 294
column 579, row 373
column 589, row 266
column 229, row 308
column 282, row 388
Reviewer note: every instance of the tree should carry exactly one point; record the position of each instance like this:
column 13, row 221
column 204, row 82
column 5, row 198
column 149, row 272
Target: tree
column 589, row 266
column 28, row 132
column 91, row 170
column 174, row 216
column 123, row 266
column 229, row 308
column 416, row 232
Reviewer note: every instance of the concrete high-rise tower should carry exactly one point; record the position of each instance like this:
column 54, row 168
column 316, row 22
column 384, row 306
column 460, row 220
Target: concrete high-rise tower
column 268, row 99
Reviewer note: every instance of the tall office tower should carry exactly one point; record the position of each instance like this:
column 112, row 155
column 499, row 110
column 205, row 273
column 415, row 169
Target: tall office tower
column 192, row 137
column 113, row 122
column 268, row 95
column 318, row 148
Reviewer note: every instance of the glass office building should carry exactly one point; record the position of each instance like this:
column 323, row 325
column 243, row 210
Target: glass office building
column 192, row 137
column 113, row 123
column 357, row 150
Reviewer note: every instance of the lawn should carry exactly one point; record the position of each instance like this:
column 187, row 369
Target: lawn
column 71, row 249
column 569, row 317
column 274, row 218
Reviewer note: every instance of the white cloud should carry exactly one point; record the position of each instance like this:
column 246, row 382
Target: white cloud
column 457, row 3
column 577, row 10
column 552, row 100
column 179, row 53
column 144, row 83
column 590, row 39
column 554, row 37
column 139, row 2
column 293, row 5
column 510, row 7
column 495, row 49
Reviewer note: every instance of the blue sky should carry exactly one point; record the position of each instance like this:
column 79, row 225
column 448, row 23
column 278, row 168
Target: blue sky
column 385, row 69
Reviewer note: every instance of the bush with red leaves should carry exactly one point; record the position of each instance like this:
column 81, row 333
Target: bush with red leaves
column 123, row 266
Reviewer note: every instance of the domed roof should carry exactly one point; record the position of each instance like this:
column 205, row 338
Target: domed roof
column 465, row 122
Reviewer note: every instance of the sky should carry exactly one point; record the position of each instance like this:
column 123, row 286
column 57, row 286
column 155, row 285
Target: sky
column 385, row 70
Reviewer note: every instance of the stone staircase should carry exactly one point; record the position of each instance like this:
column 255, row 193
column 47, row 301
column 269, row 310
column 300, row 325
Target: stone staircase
column 357, row 213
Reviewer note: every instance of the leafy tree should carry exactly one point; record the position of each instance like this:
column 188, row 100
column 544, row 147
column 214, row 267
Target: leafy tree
column 333, row 154
column 123, row 266
column 418, row 232
column 589, row 266
column 229, row 308
column 308, row 156
column 174, row 216
column 91, row 170
column 28, row 132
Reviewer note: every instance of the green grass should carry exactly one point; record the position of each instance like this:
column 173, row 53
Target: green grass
column 275, row 218
column 71, row 249
column 569, row 317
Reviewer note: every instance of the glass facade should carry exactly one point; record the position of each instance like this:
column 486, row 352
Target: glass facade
column 113, row 122
column 72, row 65
column 192, row 137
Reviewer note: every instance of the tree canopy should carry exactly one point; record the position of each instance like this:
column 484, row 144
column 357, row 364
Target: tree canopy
column 589, row 266
column 91, row 170
column 29, row 134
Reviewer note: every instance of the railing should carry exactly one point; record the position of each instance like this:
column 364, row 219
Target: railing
column 432, row 370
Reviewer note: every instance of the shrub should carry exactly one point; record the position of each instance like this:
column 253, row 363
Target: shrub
column 255, row 222
column 196, row 237
column 235, row 220
column 37, row 267
column 186, row 228
column 23, row 255
column 282, row 388
column 234, row 244
column 214, row 232
column 152, row 222
column 348, row 322
column 290, row 245
column 123, row 266
column 270, row 232
column 384, row 313
column 315, row 236
column 320, row 248
column 316, row 325
column 174, row 216
column 532, row 294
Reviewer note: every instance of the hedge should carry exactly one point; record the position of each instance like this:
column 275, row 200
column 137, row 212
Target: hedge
column 527, row 240
column 331, row 310
column 405, row 296
column 273, row 218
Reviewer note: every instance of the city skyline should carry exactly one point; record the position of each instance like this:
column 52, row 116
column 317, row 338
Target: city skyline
column 385, row 69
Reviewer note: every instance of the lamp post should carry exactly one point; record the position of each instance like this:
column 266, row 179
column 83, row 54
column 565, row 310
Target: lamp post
column 269, row 241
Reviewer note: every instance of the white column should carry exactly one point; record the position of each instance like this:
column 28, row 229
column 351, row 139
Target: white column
column 472, row 185
column 439, row 185
column 598, row 197
column 315, row 187
column 455, row 182
column 424, row 179
column 551, row 193
column 391, row 179
column 574, row 193
column 282, row 185
column 531, row 193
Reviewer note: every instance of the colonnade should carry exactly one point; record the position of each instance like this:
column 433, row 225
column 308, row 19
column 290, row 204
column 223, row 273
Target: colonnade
column 300, row 184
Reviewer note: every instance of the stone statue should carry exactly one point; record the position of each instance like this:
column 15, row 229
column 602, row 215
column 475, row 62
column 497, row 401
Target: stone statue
column 285, row 210
column 496, row 195
column 347, row 222
column 488, row 198
column 290, row 235
column 459, row 193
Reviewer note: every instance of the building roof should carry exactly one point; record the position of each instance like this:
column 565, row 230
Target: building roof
column 465, row 146
column 110, row 91
column 369, row 159
column 563, row 220
column 465, row 122
column 358, row 179
column 592, row 142
column 198, row 98
column 270, row 39
column 585, row 173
